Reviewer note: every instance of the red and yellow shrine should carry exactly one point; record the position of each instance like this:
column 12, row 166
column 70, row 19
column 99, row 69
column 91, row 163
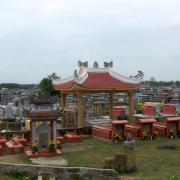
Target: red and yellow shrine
column 43, row 131
column 96, row 80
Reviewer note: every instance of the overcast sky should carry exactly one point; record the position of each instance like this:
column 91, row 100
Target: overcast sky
column 38, row 37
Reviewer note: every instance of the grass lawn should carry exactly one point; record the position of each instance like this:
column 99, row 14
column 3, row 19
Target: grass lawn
column 152, row 163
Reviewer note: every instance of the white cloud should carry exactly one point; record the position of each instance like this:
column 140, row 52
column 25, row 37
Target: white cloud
column 43, row 36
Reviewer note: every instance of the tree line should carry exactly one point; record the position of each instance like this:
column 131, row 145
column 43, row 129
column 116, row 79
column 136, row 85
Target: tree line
column 162, row 83
column 17, row 86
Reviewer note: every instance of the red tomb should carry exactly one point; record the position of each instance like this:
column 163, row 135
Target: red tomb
column 72, row 138
column 149, row 110
column 118, row 128
column 134, row 130
column 102, row 132
column 14, row 147
column 20, row 139
column 169, row 109
column 146, row 126
column 173, row 126
column 118, row 111
column 160, row 128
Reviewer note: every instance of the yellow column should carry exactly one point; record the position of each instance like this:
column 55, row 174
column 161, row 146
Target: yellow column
column 63, row 99
column 131, row 106
column 63, row 104
column 80, row 119
column 111, row 105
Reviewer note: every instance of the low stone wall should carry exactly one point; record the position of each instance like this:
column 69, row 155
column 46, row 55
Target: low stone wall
column 60, row 173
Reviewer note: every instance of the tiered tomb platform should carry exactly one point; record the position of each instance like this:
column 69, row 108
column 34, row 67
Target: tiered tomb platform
column 118, row 127
column 118, row 111
column 103, row 131
column 149, row 110
column 173, row 126
column 72, row 138
column 20, row 139
column 14, row 147
column 160, row 128
column 146, row 126
column 134, row 130
column 43, row 154
column 169, row 109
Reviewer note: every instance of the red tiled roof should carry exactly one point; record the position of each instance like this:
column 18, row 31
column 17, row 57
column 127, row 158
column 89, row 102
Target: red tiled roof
column 67, row 85
column 97, row 80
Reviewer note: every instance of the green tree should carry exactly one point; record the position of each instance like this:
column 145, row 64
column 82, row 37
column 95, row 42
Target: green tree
column 46, row 85
column 53, row 76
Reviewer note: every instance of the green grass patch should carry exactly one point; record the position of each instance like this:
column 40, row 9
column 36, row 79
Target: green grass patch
column 152, row 163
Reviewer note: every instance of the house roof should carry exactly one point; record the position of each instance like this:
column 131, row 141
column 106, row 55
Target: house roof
column 97, row 79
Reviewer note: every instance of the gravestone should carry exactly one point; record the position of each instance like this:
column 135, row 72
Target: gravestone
column 130, row 157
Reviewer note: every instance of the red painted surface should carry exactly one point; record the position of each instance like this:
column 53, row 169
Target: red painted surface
column 102, row 132
column 20, row 139
column 173, row 119
column 60, row 139
column 72, row 138
column 2, row 141
column 147, row 120
column 149, row 110
column 119, row 122
column 173, row 124
column 118, row 111
column 161, row 129
column 169, row 109
column 147, row 125
column 43, row 154
column 15, row 148
column 134, row 130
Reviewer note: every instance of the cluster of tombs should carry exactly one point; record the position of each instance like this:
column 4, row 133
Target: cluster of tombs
column 140, row 128
column 152, row 123
column 44, row 139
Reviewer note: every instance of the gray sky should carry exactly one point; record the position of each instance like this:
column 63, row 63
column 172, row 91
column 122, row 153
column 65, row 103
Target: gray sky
column 38, row 37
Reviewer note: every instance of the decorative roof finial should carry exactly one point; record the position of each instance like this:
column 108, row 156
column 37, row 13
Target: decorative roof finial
column 96, row 65
column 76, row 76
column 84, row 64
column 108, row 64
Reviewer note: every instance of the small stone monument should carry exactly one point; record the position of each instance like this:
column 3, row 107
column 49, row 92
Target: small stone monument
column 125, row 162
column 130, row 158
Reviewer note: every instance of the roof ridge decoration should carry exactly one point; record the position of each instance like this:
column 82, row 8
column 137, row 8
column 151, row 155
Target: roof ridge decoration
column 65, row 80
column 81, row 75
column 124, row 78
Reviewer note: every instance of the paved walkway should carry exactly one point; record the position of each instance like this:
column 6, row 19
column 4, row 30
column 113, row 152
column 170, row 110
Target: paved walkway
column 51, row 161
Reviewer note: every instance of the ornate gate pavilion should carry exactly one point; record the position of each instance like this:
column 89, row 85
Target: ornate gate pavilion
column 96, row 80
